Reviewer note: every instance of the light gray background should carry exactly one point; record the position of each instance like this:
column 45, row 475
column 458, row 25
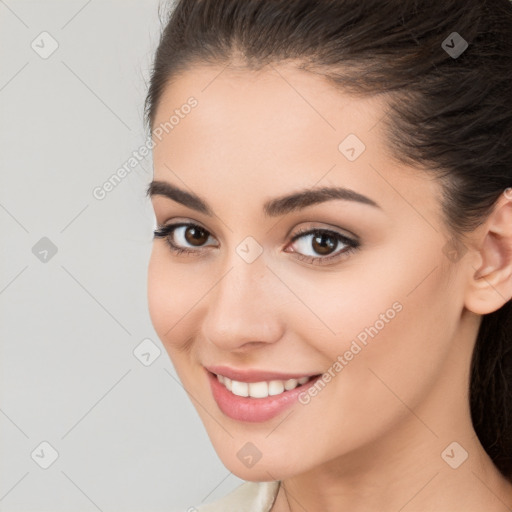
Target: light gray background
column 127, row 436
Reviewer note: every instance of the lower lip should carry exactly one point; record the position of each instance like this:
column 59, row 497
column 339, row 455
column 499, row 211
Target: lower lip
column 243, row 408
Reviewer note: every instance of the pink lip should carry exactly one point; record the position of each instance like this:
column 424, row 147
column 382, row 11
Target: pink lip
column 254, row 375
column 250, row 409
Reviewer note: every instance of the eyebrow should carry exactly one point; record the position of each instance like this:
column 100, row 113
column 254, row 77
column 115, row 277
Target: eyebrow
column 273, row 208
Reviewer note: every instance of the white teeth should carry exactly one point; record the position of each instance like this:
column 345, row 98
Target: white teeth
column 260, row 389
column 240, row 388
column 275, row 387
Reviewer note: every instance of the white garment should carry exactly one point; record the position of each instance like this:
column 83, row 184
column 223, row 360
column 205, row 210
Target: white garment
column 247, row 497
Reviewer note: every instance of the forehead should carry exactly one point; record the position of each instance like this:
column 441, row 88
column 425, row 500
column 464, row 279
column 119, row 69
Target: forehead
column 278, row 99
column 274, row 130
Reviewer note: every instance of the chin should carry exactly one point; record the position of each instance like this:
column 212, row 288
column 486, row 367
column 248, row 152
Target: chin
column 260, row 472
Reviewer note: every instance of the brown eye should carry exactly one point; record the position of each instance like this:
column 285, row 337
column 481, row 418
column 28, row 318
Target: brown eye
column 321, row 244
column 324, row 243
column 327, row 245
column 182, row 237
column 195, row 235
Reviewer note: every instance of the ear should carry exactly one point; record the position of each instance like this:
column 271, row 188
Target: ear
column 490, row 272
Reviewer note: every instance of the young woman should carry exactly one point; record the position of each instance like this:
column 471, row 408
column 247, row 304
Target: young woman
column 331, row 273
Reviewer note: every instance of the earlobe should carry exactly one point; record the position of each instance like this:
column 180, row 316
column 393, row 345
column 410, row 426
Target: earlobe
column 490, row 283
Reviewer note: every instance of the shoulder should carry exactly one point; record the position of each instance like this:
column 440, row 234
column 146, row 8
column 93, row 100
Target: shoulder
column 247, row 497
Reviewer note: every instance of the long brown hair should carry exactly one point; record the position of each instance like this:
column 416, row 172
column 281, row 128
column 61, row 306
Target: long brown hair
column 450, row 112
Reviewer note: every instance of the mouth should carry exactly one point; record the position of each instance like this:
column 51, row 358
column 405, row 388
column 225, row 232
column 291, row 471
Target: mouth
column 261, row 389
column 254, row 400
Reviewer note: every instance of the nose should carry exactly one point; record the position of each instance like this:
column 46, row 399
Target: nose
column 242, row 309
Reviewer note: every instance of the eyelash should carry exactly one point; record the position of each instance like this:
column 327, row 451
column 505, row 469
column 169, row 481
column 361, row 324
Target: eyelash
column 167, row 231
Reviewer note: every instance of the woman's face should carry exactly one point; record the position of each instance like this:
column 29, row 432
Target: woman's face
column 378, row 314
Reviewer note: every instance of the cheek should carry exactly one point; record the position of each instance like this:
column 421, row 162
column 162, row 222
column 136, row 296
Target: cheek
column 393, row 332
column 397, row 354
column 170, row 297
column 396, row 303
column 398, row 362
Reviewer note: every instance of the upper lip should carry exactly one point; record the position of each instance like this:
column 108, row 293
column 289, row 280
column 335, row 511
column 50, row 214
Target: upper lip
column 249, row 375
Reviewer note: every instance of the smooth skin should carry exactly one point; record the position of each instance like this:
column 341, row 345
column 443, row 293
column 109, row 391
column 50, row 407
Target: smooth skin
column 373, row 438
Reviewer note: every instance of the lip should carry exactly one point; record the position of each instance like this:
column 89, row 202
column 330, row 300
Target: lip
column 250, row 409
column 254, row 375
